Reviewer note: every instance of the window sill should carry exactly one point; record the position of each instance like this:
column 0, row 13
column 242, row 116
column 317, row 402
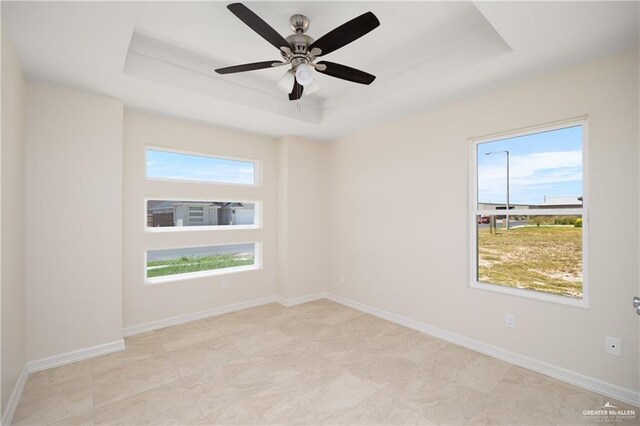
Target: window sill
column 535, row 295
column 161, row 230
column 201, row 274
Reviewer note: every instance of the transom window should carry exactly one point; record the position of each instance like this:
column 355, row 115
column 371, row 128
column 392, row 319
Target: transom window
column 175, row 215
column 172, row 165
column 528, row 221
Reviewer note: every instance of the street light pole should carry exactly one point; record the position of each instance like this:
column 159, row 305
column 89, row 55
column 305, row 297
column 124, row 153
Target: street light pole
column 506, row 152
column 508, row 227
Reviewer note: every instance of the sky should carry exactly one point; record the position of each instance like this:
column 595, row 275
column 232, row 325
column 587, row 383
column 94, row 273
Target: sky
column 172, row 165
column 547, row 163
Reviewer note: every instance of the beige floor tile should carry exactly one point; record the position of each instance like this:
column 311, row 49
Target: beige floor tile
column 368, row 326
column 385, row 368
column 542, row 396
column 247, row 406
column 380, row 409
column 443, row 401
column 135, row 351
column 391, row 342
column 225, row 385
column 202, row 357
column 303, row 330
column 337, row 395
column 264, row 340
column 178, row 336
column 131, row 379
column 497, row 415
column 237, row 325
column 169, row 404
column 482, row 373
column 331, row 315
column 316, row 363
column 54, row 402
column 57, row 374
column 82, row 419
column 287, row 361
column 423, row 352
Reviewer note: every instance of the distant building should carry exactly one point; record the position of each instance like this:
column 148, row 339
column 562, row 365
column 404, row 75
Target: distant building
column 560, row 203
column 548, row 203
column 193, row 213
column 502, row 206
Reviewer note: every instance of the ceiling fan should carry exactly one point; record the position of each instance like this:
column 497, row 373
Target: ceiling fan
column 300, row 51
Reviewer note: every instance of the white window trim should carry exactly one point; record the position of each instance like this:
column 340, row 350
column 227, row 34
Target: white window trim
column 584, row 211
column 257, row 167
column 257, row 264
column 257, row 218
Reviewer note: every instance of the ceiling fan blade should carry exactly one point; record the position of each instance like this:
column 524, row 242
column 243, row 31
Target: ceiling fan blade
column 258, row 25
column 296, row 93
column 345, row 73
column 346, row 33
column 249, row 67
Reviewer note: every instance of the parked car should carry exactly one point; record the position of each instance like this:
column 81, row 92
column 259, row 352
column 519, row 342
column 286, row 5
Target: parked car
column 483, row 219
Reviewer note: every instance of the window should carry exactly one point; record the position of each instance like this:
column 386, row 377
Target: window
column 192, row 215
column 196, row 215
column 528, row 218
column 162, row 164
column 192, row 262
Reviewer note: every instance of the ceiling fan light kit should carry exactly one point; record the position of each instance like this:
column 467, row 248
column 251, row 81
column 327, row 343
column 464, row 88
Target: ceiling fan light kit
column 299, row 51
column 286, row 82
column 304, row 74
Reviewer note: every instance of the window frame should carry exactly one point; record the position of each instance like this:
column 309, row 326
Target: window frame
column 257, row 220
column 257, row 167
column 474, row 211
column 257, row 264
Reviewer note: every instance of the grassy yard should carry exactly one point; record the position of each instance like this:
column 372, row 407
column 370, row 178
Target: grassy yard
column 159, row 268
column 544, row 258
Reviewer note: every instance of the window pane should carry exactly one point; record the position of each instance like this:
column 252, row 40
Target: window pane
column 541, row 253
column 197, row 259
column 544, row 169
column 172, row 213
column 174, row 165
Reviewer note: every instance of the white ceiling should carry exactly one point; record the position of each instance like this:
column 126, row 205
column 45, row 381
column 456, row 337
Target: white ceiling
column 160, row 56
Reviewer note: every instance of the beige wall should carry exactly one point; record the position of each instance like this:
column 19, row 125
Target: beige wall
column 74, row 220
column 12, row 264
column 144, row 303
column 419, row 268
column 303, row 215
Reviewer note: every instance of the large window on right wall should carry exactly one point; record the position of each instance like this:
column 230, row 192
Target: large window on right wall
column 529, row 221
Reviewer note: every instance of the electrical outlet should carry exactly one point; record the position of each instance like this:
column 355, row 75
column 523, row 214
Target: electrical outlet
column 510, row 320
column 225, row 285
column 613, row 346
column 342, row 279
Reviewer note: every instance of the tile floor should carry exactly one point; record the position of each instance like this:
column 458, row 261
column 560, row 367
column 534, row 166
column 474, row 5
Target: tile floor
column 317, row 363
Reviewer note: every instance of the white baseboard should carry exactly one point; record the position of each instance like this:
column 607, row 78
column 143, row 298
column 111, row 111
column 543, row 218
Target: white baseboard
column 74, row 356
column 595, row 385
column 181, row 319
column 300, row 300
column 10, row 410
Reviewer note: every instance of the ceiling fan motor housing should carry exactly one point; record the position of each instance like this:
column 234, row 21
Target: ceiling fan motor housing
column 300, row 42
